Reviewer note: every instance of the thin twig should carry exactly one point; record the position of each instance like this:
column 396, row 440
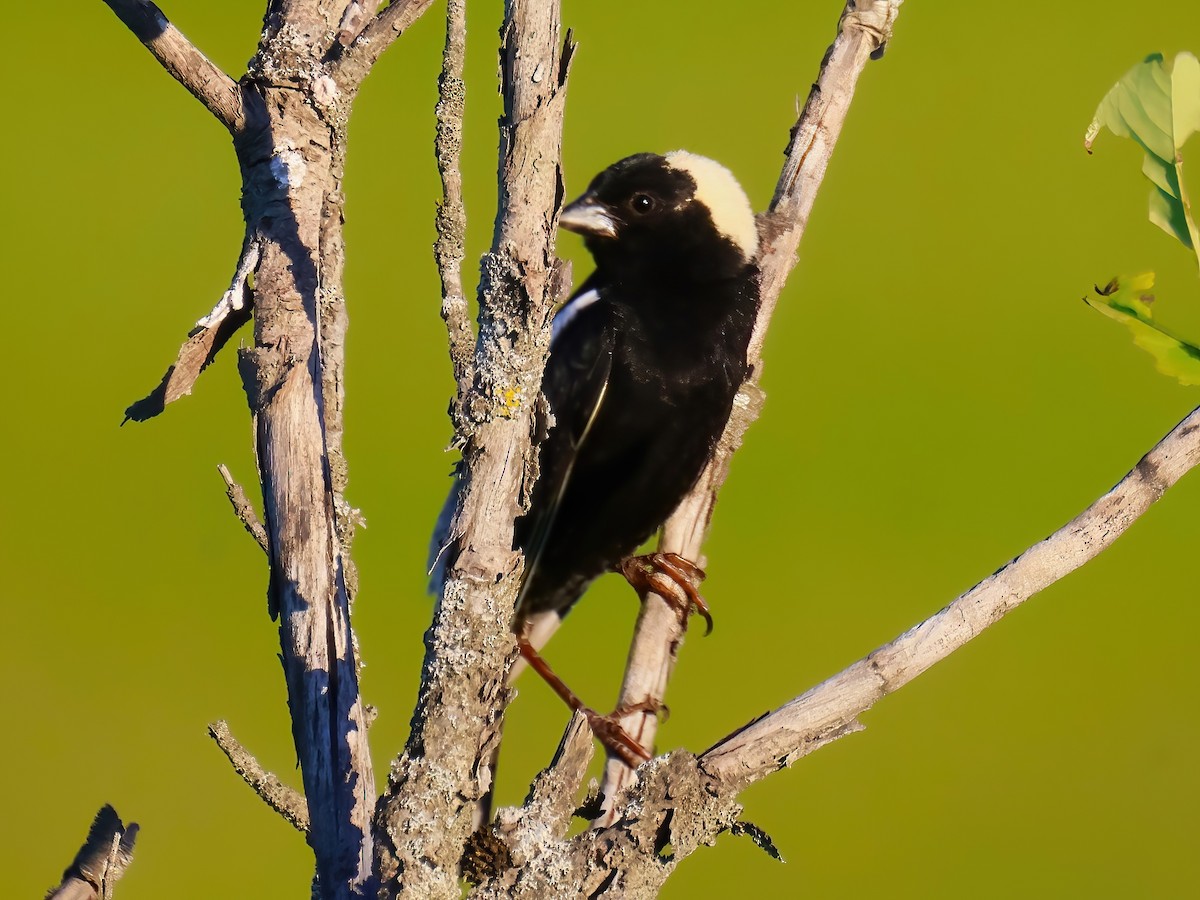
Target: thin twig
column 864, row 28
column 828, row 710
column 244, row 509
column 451, row 219
column 201, row 76
column 285, row 800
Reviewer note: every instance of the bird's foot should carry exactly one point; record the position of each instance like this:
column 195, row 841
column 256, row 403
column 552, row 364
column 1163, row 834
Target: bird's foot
column 648, row 705
column 607, row 729
column 658, row 571
column 616, row 740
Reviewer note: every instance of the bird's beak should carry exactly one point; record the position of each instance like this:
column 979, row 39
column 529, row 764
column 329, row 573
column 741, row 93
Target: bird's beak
column 588, row 216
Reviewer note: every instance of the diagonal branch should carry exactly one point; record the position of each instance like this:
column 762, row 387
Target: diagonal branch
column 830, row 709
column 205, row 340
column 864, row 28
column 350, row 65
column 201, row 76
column 285, row 800
column 244, row 510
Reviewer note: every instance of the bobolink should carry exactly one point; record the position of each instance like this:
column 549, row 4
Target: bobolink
column 645, row 361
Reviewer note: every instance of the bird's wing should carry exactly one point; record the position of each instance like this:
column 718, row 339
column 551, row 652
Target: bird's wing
column 575, row 383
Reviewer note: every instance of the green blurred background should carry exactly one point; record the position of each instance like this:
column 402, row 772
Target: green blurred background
column 939, row 398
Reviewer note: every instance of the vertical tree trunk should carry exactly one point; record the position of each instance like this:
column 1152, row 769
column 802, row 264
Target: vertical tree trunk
column 292, row 164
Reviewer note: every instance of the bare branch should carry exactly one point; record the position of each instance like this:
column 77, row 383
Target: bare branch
column 286, row 801
column 829, row 709
column 427, row 811
column 352, row 64
column 451, row 220
column 205, row 340
column 203, row 79
column 244, row 509
column 101, row 861
column 681, row 802
column 863, row 30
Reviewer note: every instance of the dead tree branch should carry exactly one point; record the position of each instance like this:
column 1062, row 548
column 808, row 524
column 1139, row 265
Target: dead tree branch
column 451, row 219
column 285, row 800
column 203, row 79
column 205, row 341
column 101, row 861
column 681, row 802
column 290, row 138
column 830, row 709
column 863, row 30
column 426, row 813
column 244, row 509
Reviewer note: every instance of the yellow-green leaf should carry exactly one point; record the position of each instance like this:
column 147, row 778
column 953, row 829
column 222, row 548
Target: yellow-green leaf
column 1158, row 106
column 1128, row 300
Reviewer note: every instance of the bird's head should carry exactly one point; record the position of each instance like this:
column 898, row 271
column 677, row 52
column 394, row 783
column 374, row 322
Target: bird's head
column 678, row 214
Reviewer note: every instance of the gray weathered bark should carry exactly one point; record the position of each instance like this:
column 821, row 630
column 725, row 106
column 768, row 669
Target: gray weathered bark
column 288, row 118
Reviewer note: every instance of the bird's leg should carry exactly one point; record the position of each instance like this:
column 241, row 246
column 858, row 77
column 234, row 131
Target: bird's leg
column 653, row 571
column 614, row 738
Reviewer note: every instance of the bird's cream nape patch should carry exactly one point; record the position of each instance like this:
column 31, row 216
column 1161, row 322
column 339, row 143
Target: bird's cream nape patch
column 718, row 189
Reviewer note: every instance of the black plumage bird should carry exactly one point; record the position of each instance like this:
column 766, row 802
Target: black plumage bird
column 645, row 361
column 644, row 364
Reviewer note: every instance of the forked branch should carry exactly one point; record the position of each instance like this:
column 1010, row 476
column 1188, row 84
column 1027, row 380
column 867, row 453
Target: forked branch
column 684, row 801
column 427, row 811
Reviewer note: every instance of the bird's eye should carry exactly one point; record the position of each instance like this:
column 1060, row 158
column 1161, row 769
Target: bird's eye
column 642, row 204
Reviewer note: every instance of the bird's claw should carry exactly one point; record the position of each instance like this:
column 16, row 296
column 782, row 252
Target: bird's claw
column 653, row 571
column 616, row 740
column 649, row 706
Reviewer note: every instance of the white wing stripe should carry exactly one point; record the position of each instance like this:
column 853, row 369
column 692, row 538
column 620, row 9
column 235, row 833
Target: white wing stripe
column 570, row 310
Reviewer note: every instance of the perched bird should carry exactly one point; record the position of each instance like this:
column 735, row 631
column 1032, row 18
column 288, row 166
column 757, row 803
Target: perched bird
column 644, row 364
column 645, row 360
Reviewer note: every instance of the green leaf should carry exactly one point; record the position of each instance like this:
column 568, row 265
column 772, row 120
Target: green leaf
column 1158, row 106
column 1127, row 300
